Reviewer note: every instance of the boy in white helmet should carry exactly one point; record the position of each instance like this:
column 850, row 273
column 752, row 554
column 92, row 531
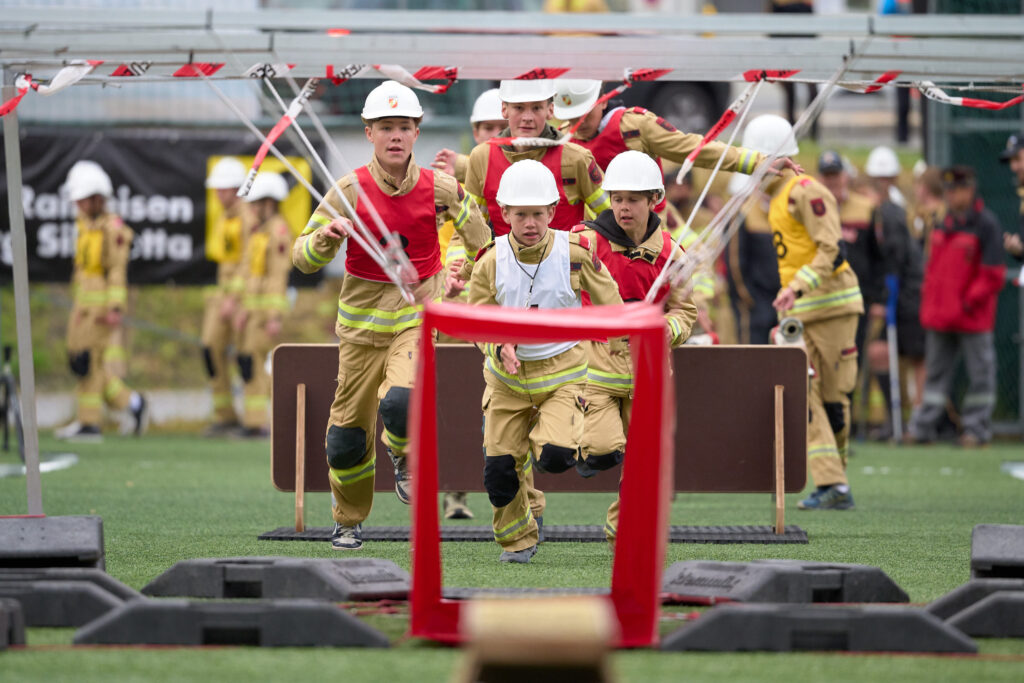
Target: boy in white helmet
column 527, row 104
column 99, row 281
column 630, row 242
column 609, row 133
column 224, row 246
column 379, row 330
column 820, row 289
column 262, row 277
column 534, row 398
column 487, row 121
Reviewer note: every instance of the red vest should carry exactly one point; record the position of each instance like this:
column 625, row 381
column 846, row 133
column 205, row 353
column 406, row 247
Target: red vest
column 609, row 143
column 633, row 276
column 566, row 214
column 412, row 216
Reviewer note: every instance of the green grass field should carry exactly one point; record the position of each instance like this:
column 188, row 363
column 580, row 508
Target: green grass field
column 169, row 498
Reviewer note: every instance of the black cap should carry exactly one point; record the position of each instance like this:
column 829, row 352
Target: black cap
column 957, row 176
column 830, row 162
column 1014, row 144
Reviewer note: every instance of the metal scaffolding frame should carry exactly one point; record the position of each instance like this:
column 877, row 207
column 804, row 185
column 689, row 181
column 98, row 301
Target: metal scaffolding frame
column 954, row 50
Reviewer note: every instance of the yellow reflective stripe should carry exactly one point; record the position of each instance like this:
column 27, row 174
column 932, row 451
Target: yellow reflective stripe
column 221, row 400
column 704, row 284
column 275, row 302
column 535, row 384
column 117, row 295
column 91, row 399
column 676, row 328
column 512, row 526
column 378, row 320
column 256, row 402
column 814, row 303
column 313, row 257
column 114, row 352
column 93, row 298
column 689, row 237
column 808, row 275
column 113, row 388
column 315, row 221
column 454, row 253
column 395, row 442
column 349, row 476
column 748, row 159
column 822, row 452
column 482, row 203
column 610, row 379
column 463, row 216
column 236, row 284
column 598, row 200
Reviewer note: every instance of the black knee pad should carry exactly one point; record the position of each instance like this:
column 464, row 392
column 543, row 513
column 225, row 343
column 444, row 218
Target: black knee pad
column 245, row 367
column 79, row 363
column 556, row 459
column 394, row 411
column 836, row 419
column 346, row 446
column 208, row 361
column 500, row 479
column 606, row 461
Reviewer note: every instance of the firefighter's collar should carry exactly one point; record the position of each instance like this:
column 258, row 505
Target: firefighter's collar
column 606, row 226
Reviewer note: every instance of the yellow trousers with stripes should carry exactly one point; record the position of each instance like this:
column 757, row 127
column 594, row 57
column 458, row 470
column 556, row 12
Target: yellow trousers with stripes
column 605, row 427
column 365, row 373
column 88, row 333
column 217, row 336
column 832, row 354
column 255, row 343
column 516, row 423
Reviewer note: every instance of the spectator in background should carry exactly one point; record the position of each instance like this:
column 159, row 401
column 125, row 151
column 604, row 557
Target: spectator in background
column 900, row 267
column 958, row 309
column 928, row 208
column 1014, row 155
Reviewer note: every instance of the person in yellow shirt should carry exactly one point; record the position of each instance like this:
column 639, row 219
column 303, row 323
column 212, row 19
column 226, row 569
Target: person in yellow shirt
column 224, row 246
column 99, row 281
column 820, row 289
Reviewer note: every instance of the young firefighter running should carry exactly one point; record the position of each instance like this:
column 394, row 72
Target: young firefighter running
column 628, row 240
column 377, row 327
column 100, row 296
column 820, row 289
column 533, row 267
column 263, row 281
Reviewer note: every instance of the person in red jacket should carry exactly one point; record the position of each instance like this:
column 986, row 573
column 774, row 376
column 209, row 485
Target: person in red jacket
column 958, row 310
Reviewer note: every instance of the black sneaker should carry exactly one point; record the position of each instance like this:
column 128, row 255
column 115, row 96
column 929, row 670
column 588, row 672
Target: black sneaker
column 254, row 433
column 347, row 537
column 141, row 416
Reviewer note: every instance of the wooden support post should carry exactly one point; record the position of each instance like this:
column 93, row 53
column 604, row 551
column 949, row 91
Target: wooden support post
column 300, row 458
column 780, row 463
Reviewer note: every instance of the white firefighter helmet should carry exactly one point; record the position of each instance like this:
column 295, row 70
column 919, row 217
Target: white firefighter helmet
column 527, row 183
column 882, row 163
column 87, row 178
column 487, row 107
column 633, row 170
column 227, row 174
column 575, row 98
column 391, row 98
column 268, row 185
column 770, row 134
column 538, row 90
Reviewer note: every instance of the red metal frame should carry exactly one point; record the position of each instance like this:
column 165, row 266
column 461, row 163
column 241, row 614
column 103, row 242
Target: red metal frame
column 643, row 517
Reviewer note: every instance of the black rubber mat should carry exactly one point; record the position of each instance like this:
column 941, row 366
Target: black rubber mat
column 556, row 534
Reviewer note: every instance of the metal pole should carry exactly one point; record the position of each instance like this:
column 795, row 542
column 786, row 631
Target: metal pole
column 23, row 319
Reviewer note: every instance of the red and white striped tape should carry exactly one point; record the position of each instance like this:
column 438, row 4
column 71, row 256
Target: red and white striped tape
column 929, row 90
column 73, row 72
column 399, row 74
column 292, row 113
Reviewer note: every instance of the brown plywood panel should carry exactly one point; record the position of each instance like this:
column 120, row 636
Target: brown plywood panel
column 724, row 431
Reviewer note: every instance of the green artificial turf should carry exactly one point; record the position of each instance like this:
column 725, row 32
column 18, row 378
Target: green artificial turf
column 169, row 498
